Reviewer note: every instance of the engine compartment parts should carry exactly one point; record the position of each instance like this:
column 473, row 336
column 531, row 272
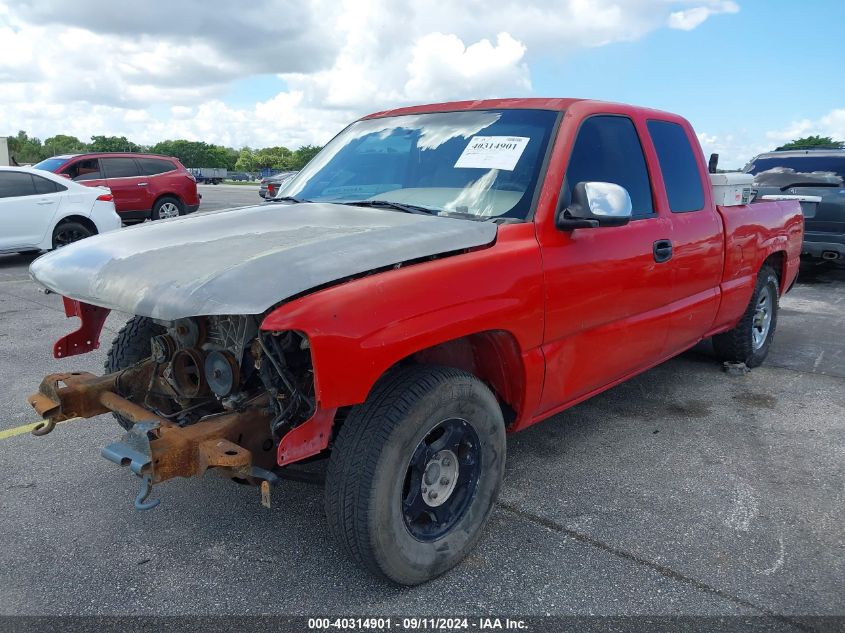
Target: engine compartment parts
column 214, row 393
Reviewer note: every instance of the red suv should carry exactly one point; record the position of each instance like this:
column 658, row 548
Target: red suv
column 144, row 185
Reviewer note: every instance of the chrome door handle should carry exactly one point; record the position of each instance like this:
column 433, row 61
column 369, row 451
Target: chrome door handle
column 143, row 184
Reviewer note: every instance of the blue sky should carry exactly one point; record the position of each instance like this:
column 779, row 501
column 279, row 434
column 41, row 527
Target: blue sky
column 749, row 74
column 741, row 74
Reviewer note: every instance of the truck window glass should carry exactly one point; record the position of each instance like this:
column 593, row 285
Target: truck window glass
column 680, row 171
column 608, row 149
column 120, row 167
column 14, row 184
column 483, row 163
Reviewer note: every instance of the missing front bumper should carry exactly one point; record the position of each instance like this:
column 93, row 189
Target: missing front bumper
column 155, row 448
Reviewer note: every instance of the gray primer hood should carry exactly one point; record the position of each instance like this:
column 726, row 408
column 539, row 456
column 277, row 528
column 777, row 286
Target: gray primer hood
column 245, row 260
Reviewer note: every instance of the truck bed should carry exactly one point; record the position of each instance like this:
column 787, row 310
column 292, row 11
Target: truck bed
column 753, row 233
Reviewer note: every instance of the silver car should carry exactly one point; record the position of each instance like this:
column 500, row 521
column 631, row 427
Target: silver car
column 270, row 186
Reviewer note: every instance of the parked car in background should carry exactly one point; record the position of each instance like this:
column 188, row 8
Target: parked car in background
column 271, row 184
column 40, row 211
column 145, row 186
column 209, row 175
column 240, row 176
column 816, row 178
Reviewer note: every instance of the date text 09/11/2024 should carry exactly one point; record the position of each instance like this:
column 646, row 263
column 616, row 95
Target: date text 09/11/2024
column 418, row 624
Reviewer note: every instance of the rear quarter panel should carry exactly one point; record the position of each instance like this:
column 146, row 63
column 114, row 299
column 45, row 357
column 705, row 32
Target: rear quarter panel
column 753, row 233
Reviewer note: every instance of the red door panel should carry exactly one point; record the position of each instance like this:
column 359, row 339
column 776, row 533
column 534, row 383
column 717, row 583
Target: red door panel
column 128, row 186
column 606, row 307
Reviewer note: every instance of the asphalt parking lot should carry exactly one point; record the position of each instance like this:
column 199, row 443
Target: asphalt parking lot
column 683, row 491
column 215, row 197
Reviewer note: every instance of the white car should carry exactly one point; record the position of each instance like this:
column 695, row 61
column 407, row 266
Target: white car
column 40, row 211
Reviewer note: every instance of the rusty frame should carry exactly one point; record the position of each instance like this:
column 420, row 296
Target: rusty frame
column 237, row 441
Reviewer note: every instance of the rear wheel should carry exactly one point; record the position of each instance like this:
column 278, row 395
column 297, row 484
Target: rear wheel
column 415, row 471
column 167, row 207
column 69, row 232
column 750, row 340
column 130, row 346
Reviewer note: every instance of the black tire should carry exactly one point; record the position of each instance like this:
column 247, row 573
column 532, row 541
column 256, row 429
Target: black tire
column 130, row 346
column 68, row 232
column 162, row 207
column 369, row 478
column 738, row 345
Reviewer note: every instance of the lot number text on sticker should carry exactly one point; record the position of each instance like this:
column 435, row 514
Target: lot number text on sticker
column 493, row 152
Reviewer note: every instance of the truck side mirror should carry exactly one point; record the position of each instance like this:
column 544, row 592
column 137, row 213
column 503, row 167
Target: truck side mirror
column 595, row 204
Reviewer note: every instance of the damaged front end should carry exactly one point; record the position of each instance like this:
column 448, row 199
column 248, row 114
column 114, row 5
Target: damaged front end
column 215, row 393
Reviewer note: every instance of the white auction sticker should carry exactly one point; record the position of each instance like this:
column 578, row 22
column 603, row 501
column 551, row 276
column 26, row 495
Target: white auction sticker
column 493, row 152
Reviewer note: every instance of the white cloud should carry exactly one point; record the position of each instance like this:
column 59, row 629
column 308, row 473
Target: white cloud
column 688, row 19
column 831, row 124
column 442, row 67
column 737, row 148
column 734, row 149
column 160, row 69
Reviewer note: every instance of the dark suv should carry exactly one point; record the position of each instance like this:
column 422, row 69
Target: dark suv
column 816, row 177
column 144, row 185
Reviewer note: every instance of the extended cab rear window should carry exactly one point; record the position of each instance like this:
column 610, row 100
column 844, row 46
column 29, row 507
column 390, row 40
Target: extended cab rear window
column 681, row 174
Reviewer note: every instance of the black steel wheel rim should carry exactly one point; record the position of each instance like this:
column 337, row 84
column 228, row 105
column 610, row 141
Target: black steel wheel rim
column 66, row 236
column 436, row 492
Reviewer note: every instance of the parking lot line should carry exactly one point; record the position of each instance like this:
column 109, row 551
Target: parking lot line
column 26, row 428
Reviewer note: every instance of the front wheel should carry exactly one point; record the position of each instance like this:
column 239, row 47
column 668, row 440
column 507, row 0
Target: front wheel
column 750, row 340
column 132, row 345
column 415, row 471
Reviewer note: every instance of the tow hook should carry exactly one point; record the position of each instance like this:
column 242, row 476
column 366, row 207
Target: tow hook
column 44, row 427
column 141, row 502
column 134, row 451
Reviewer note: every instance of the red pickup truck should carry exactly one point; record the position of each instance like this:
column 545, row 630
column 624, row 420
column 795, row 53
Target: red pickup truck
column 437, row 277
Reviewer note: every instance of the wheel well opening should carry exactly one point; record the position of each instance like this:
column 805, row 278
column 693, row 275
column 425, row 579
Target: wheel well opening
column 492, row 356
column 168, row 195
column 777, row 261
column 86, row 222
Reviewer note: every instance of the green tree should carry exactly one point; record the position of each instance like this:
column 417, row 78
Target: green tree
column 303, row 155
column 195, row 153
column 25, row 149
column 820, row 142
column 64, row 144
column 246, row 160
column 113, row 144
column 275, row 158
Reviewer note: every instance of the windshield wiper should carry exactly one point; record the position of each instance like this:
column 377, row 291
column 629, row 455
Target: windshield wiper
column 287, row 199
column 387, row 204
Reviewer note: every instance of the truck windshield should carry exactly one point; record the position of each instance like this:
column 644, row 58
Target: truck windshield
column 809, row 169
column 51, row 164
column 483, row 163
